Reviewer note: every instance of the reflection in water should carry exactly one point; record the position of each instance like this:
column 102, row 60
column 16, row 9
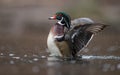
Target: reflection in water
column 36, row 58
column 107, row 67
column 51, row 71
column 53, row 68
column 118, row 66
column 85, row 65
column 35, row 69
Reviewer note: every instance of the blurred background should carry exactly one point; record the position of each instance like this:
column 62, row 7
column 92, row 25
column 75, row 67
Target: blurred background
column 24, row 26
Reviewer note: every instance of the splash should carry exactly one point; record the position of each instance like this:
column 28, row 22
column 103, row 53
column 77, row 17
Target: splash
column 89, row 57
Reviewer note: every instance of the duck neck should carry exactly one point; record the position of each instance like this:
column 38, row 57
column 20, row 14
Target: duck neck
column 58, row 31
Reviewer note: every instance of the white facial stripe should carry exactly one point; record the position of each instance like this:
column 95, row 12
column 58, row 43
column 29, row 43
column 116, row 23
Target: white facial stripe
column 57, row 36
column 59, row 21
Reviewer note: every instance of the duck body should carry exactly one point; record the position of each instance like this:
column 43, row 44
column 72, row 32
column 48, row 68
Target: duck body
column 66, row 38
column 57, row 47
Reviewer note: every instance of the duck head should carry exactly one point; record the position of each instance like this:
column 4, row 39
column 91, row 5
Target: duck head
column 62, row 18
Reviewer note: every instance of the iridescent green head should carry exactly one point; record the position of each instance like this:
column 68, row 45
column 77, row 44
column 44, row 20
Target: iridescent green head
column 63, row 18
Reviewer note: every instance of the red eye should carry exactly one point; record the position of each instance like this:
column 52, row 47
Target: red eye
column 60, row 15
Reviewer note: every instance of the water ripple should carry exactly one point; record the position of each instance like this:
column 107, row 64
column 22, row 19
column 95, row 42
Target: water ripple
column 101, row 57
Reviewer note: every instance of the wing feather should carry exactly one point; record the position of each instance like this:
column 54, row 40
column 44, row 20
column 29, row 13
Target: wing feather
column 95, row 28
column 80, row 35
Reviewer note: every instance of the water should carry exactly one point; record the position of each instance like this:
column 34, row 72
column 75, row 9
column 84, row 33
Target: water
column 27, row 56
column 101, row 57
column 40, row 65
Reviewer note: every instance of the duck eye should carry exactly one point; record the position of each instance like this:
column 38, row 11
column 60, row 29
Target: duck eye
column 59, row 17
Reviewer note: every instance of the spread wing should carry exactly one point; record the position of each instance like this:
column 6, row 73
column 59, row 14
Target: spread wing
column 80, row 35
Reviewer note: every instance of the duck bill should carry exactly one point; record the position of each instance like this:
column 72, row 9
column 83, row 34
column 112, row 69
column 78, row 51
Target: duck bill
column 52, row 18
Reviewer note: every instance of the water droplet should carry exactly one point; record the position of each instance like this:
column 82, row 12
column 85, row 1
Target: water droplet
column 11, row 55
column 35, row 59
column 43, row 57
column 25, row 55
column 12, row 62
column 16, row 57
column 1, row 54
column 87, row 57
column 30, row 61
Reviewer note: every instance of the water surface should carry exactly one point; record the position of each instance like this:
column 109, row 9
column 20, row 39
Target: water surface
column 12, row 64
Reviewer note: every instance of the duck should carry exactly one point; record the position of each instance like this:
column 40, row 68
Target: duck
column 68, row 37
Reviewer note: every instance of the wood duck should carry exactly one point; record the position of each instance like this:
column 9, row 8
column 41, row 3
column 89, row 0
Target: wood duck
column 66, row 38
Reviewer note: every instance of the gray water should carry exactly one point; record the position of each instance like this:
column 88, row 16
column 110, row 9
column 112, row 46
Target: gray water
column 13, row 64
